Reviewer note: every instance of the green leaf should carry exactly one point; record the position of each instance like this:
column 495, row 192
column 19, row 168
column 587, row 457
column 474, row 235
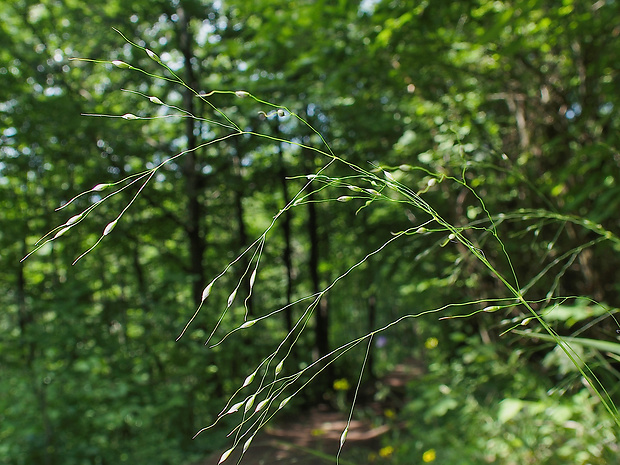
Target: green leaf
column 508, row 409
column 604, row 346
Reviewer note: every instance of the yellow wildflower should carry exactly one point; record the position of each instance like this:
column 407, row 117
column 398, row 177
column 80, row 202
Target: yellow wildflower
column 431, row 343
column 341, row 385
column 386, row 451
column 429, row 456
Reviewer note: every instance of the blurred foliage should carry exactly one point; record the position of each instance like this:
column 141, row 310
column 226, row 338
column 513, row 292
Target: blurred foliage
column 491, row 110
column 455, row 410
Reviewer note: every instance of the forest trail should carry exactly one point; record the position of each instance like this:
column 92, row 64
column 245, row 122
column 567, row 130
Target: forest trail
column 312, row 437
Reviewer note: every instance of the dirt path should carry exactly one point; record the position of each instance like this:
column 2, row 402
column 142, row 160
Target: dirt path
column 311, row 440
column 313, row 437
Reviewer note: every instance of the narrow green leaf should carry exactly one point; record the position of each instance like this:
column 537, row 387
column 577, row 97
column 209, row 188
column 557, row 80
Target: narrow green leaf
column 605, row 346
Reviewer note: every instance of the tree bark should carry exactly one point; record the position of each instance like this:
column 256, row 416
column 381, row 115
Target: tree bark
column 239, row 210
column 321, row 331
column 193, row 188
column 193, row 177
column 287, row 254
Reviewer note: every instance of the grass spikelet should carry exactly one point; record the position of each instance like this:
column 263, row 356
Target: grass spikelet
column 207, row 291
column 249, row 403
column 152, row 55
column 261, row 404
column 100, row 187
column 253, row 278
column 343, row 436
column 120, row 64
column 61, row 232
column 74, row 219
column 226, row 454
column 279, row 367
column 234, row 408
column 110, row 227
column 246, row 446
column 231, row 297
column 249, row 380
column 284, row 402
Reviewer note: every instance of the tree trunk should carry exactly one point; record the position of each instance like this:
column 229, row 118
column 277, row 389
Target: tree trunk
column 193, row 187
column 193, row 181
column 286, row 232
column 321, row 340
column 243, row 235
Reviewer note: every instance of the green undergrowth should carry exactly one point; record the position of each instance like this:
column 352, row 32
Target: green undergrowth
column 486, row 404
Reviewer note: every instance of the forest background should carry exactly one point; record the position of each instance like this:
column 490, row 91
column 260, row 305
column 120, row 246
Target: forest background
column 499, row 118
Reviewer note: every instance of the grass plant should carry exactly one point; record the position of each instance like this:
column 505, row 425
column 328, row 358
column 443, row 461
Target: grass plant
column 273, row 384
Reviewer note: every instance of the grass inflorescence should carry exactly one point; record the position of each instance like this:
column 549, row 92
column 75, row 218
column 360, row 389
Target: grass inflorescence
column 273, row 383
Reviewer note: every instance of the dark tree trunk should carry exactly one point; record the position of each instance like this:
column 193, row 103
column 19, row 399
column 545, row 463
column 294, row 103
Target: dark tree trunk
column 321, row 339
column 286, row 232
column 193, row 181
column 239, row 210
column 193, row 188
